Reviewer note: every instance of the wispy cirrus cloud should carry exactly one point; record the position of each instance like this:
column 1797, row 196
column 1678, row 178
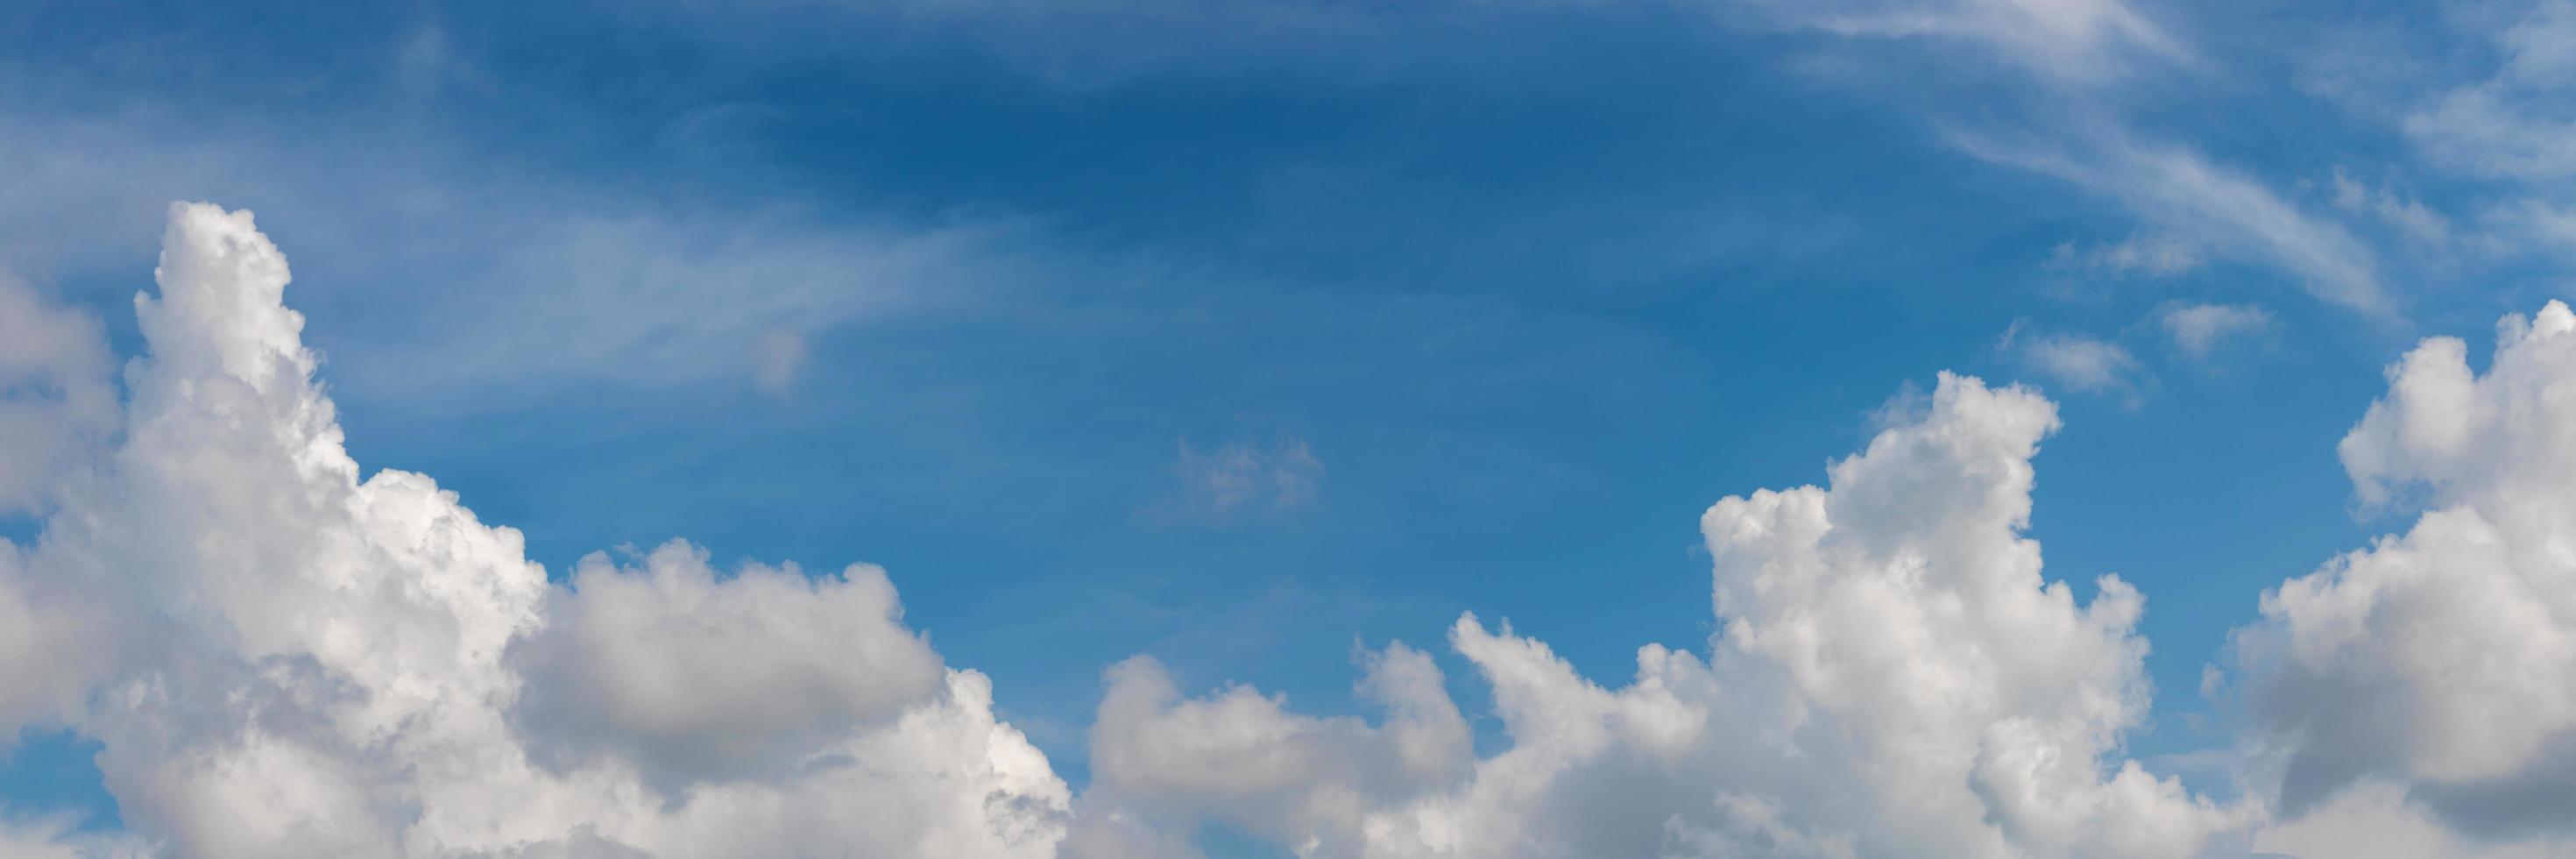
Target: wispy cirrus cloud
column 2513, row 124
column 2490, row 120
column 2408, row 216
column 2137, row 255
column 2184, row 195
column 471, row 285
column 2069, row 42
column 2071, row 122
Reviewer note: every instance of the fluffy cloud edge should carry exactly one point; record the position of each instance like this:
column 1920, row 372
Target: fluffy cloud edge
column 1892, row 666
column 280, row 658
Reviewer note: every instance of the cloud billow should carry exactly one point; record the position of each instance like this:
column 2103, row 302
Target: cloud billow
column 1894, row 677
column 279, row 658
column 2443, row 659
column 297, row 662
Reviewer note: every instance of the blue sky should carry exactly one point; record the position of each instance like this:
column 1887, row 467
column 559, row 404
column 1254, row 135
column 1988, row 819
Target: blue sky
column 1251, row 337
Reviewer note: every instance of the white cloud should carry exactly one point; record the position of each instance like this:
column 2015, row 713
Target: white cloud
column 1240, row 476
column 2511, row 131
column 56, row 400
column 694, row 679
column 2073, row 41
column 1241, row 757
column 483, row 287
column 2409, row 217
column 2535, row 222
column 53, row 644
column 2078, row 362
column 2186, row 198
column 1893, row 676
column 660, row 299
column 2153, row 256
column 2438, row 659
column 2198, row 329
column 776, row 356
column 54, row 837
column 2514, row 124
column 2194, row 208
column 296, row 662
column 2374, row 820
column 280, row 658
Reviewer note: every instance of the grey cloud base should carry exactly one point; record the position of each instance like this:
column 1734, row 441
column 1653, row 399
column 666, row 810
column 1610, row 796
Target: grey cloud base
column 280, row 658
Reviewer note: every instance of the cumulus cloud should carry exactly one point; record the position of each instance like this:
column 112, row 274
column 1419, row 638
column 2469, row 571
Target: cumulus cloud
column 697, row 678
column 2197, row 329
column 2438, row 659
column 279, row 657
column 56, row 408
column 1242, row 757
column 2374, row 820
column 54, row 837
column 1893, row 676
column 52, row 644
column 290, row 660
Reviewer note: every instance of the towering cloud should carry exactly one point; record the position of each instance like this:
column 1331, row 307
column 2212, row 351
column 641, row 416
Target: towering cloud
column 1894, row 678
column 283, row 659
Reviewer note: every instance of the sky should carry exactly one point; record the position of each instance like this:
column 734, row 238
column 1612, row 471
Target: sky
column 988, row 428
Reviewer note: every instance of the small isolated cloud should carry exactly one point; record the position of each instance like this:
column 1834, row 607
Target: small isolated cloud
column 1240, row 476
column 425, row 61
column 2406, row 215
column 776, row 357
column 2141, row 255
column 2076, row 361
column 2197, row 329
